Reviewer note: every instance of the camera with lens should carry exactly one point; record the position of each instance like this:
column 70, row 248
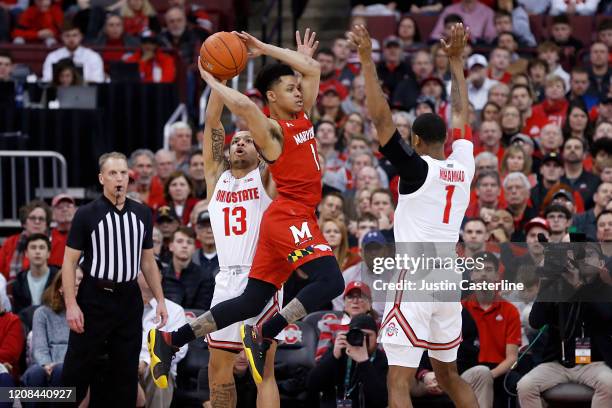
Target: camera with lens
column 354, row 337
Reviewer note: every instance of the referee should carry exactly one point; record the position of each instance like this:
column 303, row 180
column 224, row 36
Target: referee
column 113, row 234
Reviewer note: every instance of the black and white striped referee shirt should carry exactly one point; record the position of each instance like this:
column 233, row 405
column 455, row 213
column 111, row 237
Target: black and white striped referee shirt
column 111, row 240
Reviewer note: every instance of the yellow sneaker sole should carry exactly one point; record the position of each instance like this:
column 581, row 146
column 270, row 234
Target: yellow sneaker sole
column 161, row 382
column 247, row 351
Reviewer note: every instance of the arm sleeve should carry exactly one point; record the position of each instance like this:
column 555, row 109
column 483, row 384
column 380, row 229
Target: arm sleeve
column 76, row 236
column 40, row 341
column 411, row 167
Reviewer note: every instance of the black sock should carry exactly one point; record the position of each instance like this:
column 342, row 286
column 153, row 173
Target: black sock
column 272, row 327
column 183, row 336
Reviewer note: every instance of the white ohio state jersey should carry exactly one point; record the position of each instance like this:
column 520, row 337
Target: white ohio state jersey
column 236, row 209
column 435, row 211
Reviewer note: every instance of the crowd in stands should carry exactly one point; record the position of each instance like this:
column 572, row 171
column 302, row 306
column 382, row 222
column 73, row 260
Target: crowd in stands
column 541, row 114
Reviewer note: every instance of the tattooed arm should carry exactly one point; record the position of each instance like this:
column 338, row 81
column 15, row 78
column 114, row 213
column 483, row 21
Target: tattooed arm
column 214, row 141
column 459, row 96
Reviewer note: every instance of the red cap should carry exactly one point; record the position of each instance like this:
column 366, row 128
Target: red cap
column 61, row 197
column 133, row 174
column 537, row 222
column 360, row 286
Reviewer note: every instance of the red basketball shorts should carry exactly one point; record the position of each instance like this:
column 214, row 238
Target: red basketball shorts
column 288, row 238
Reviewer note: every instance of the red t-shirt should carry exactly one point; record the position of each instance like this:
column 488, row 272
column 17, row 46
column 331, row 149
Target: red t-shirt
column 498, row 326
column 534, row 124
column 32, row 20
column 555, row 111
column 160, row 69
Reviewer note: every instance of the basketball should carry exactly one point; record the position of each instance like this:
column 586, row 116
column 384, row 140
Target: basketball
column 224, row 55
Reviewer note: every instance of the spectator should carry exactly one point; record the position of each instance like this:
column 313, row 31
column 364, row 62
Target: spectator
column 559, row 218
column 154, row 65
column 65, row 73
column 180, row 37
column 511, row 122
column 601, row 152
column 181, row 136
column 577, row 124
column 561, row 34
column 538, row 71
column 157, row 397
column 599, row 69
column 364, row 366
column 499, row 94
column 551, row 139
column 592, row 320
column 35, row 218
column 516, row 191
column 89, row 60
column 331, row 206
column 490, row 111
column 490, row 140
column 551, row 172
column 178, row 193
column 197, row 17
column 113, row 35
column 167, row 222
column 551, row 53
column 336, row 236
column 42, row 21
column 555, row 106
column 488, row 189
column 392, row 70
column 408, row 31
column 184, row 282
column 604, row 32
column 345, row 72
column 441, row 67
column 365, row 223
column 474, row 235
column 602, row 130
column 586, row 222
column 582, row 8
column 475, row 15
column 149, row 187
column 369, row 178
column 402, row 122
column 501, row 226
column 138, row 17
column 580, row 180
column 407, row 90
column 579, row 89
column 49, row 336
column 518, row 65
column 165, row 161
column 329, row 106
column 327, row 60
column 381, row 205
column 515, row 160
column 519, row 23
column 499, row 61
column 63, row 208
column 499, row 338
column 6, row 66
column 206, row 257
column 196, row 174
column 604, row 229
column 478, row 82
column 11, row 346
column 30, row 284
column 355, row 102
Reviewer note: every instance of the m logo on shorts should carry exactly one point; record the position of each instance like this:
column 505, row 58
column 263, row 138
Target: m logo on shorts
column 301, row 235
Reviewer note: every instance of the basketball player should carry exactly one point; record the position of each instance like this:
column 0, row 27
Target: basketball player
column 237, row 197
column 430, row 208
column 289, row 237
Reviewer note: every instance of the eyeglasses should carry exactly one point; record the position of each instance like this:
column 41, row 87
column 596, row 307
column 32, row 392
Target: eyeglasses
column 33, row 218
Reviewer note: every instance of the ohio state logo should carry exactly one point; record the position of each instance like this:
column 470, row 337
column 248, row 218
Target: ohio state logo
column 391, row 330
column 293, row 334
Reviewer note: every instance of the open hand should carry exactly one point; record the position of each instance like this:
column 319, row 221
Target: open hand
column 457, row 41
column 255, row 46
column 161, row 314
column 309, row 45
column 360, row 38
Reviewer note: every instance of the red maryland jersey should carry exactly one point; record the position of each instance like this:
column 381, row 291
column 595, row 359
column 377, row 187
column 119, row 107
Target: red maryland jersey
column 297, row 172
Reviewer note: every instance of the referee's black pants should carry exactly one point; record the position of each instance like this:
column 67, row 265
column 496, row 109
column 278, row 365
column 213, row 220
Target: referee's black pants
column 113, row 326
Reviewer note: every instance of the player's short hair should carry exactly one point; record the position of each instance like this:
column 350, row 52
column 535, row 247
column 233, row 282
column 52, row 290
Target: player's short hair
column 36, row 237
column 269, row 75
column 107, row 156
column 430, row 128
column 185, row 231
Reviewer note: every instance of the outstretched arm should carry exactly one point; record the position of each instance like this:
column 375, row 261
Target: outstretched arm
column 266, row 133
column 459, row 95
column 376, row 102
column 299, row 61
column 214, row 140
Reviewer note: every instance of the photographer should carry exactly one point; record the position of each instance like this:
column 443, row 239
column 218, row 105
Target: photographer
column 574, row 306
column 353, row 373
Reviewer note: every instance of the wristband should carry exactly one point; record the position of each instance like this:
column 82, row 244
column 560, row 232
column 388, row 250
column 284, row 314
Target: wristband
column 467, row 130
